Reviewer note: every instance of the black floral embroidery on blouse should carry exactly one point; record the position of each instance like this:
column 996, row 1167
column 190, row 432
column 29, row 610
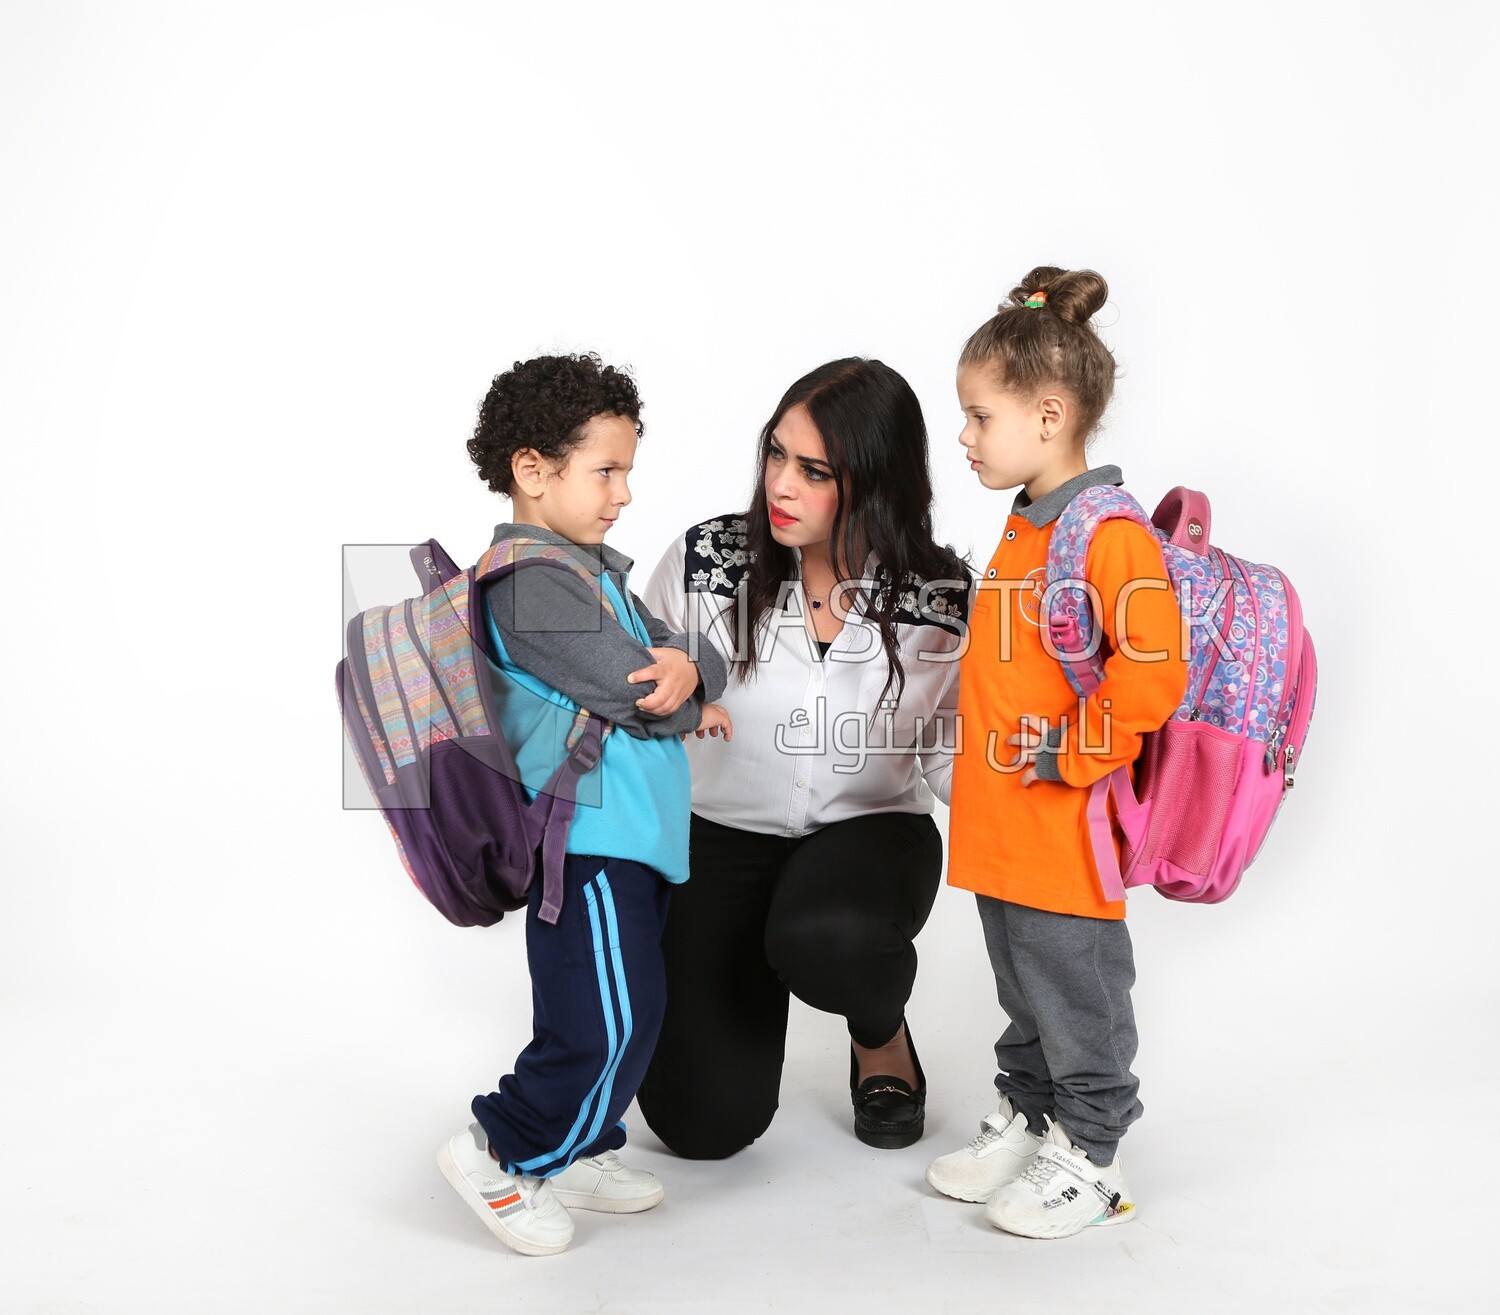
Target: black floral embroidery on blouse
column 717, row 556
column 943, row 603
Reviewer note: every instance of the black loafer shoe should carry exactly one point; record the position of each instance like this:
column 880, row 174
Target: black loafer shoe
column 888, row 1113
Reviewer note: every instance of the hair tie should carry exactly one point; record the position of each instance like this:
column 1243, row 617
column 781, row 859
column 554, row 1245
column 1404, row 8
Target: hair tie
column 1037, row 300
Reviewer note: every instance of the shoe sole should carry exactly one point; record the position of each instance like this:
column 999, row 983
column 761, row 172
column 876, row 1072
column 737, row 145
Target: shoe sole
column 956, row 1195
column 1108, row 1221
column 984, row 1194
column 892, row 1140
column 459, row 1181
column 610, row 1205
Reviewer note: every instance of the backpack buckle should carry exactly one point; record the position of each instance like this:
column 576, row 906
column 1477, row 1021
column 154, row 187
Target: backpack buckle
column 585, row 755
column 585, row 750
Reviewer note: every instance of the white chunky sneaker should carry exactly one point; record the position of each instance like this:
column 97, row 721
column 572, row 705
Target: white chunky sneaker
column 522, row 1212
column 1002, row 1149
column 1061, row 1193
column 602, row 1182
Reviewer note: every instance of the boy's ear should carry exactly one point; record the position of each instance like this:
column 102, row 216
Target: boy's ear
column 529, row 468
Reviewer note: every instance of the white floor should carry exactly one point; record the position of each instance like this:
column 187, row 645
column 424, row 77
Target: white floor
column 219, row 1128
column 263, row 259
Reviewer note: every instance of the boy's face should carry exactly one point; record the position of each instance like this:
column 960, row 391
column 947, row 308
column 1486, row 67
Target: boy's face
column 582, row 498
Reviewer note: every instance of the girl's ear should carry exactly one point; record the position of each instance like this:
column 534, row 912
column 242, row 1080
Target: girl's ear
column 1053, row 412
column 529, row 468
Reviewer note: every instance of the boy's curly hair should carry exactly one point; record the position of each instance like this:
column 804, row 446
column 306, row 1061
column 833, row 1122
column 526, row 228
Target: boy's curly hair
column 544, row 403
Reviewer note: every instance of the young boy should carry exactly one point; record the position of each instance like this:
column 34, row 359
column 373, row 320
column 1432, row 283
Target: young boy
column 558, row 435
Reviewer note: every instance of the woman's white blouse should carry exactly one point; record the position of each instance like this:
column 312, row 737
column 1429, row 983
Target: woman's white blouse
column 814, row 741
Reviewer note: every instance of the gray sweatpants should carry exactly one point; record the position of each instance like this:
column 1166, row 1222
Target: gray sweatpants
column 1065, row 983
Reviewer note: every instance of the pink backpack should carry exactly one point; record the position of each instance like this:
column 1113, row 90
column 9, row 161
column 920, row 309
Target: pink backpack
column 1210, row 782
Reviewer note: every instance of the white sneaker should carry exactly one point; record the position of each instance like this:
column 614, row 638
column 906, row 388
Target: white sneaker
column 999, row 1153
column 522, row 1212
column 601, row 1182
column 1061, row 1193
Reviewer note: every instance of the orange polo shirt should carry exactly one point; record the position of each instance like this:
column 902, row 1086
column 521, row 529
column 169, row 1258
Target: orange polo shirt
column 1030, row 844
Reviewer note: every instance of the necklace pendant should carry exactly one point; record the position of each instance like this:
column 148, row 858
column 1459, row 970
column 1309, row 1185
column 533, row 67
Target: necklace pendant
column 816, row 602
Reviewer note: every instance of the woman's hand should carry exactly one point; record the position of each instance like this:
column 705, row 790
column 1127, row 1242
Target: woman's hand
column 676, row 677
column 715, row 719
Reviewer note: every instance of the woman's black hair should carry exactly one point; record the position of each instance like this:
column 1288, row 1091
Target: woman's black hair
column 876, row 441
column 544, row 403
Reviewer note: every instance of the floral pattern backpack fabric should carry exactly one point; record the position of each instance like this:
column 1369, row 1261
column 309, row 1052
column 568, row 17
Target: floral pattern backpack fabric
column 1210, row 782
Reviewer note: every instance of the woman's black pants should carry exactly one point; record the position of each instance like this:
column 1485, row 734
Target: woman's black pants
column 828, row 917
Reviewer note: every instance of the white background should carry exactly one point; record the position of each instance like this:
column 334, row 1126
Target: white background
column 259, row 264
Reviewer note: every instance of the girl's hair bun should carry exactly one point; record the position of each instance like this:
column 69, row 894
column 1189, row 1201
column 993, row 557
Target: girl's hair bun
column 1043, row 335
column 1074, row 295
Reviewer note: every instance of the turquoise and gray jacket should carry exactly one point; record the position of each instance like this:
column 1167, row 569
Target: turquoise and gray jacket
column 560, row 650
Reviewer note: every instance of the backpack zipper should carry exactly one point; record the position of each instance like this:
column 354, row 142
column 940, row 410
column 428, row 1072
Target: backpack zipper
column 1271, row 749
column 1293, row 672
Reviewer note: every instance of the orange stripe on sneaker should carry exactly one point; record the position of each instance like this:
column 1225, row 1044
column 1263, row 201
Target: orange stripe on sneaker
column 509, row 1200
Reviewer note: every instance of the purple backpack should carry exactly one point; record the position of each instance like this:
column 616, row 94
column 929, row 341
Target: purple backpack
column 419, row 709
column 1209, row 783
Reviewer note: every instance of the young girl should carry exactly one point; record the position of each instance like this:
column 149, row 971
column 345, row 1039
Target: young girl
column 1033, row 383
column 558, row 436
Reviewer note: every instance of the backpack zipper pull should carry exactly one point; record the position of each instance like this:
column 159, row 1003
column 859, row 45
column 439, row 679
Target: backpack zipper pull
column 1291, row 765
column 1271, row 749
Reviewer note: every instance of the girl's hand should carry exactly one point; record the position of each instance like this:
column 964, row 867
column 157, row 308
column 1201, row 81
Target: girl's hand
column 676, row 677
column 714, row 720
column 1029, row 742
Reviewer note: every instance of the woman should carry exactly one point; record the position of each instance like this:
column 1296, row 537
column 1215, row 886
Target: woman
column 814, row 856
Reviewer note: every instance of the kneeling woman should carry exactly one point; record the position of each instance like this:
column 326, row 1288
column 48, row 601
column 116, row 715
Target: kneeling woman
column 814, row 856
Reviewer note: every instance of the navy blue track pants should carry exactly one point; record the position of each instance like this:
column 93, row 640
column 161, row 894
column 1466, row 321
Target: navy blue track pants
column 598, row 992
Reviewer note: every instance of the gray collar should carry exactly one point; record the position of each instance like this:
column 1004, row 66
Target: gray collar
column 596, row 555
column 1046, row 510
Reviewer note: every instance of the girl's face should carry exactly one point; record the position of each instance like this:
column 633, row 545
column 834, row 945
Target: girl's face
column 1002, row 435
column 584, row 495
column 802, row 493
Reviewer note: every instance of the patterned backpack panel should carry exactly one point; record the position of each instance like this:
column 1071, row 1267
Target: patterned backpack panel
column 419, row 711
column 1210, row 782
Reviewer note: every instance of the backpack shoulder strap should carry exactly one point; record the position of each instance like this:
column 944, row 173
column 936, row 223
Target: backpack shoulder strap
column 1071, row 625
column 584, row 744
column 1068, row 551
column 1076, row 636
column 507, row 555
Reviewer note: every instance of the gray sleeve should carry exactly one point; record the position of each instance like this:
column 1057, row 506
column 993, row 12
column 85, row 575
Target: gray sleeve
column 1046, row 760
column 555, row 627
column 712, row 673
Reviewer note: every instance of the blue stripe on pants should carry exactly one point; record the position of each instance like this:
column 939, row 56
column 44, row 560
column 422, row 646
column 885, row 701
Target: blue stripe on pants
column 598, row 994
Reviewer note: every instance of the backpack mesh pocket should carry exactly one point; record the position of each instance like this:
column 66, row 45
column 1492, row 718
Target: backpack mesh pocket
column 1190, row 774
